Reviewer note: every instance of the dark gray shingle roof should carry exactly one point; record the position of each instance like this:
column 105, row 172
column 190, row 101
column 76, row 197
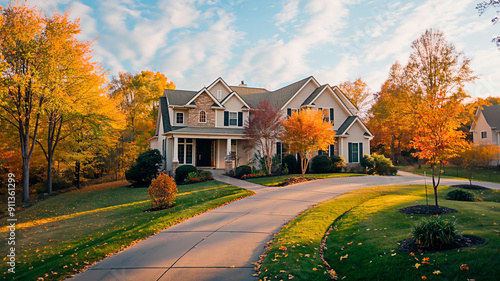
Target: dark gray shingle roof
column 492, row 116
column 313, row 95
column 179, row 97
column 342, row 129
column 164, row 114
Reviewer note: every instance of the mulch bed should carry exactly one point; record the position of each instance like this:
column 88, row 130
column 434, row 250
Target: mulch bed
column 426, row 210
column 157, row 209
column 469, row 186
column 294, row 180
column 409, row 244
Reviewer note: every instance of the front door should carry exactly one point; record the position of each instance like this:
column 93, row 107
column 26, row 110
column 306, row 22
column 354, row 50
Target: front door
column 203, row 153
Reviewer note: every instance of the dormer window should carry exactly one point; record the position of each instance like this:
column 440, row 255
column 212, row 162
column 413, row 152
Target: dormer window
column 203, row 117
column 179, row 117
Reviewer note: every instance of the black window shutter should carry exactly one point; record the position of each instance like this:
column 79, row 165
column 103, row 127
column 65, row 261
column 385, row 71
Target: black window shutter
column 226, row 118
column 330, row 150
column 240, row 119
column 350, row 152
column 289, row 112
column 278, row 150
column 360, row 151
column 331, row 114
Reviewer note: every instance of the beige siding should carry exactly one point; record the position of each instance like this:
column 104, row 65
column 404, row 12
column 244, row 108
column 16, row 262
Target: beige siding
column 297, row 101
column 482, row 126
column 219, row 87
column 356, row 136
column 232, row 104
column 173, row 114
column 326, row 100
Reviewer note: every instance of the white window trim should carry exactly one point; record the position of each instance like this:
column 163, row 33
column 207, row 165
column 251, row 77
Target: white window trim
column 229, row 119
column 182, row 118
column 199, row 116
column 486, row 132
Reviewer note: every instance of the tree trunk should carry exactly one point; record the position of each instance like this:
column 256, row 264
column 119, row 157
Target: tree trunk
column 77, row 174
column 49, row 175
column 26, row 177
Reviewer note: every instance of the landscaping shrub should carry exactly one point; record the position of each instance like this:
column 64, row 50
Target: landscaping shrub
column 182, row 172
column 338, row 163
column 206, row 174
column 435, row 233
column 460, row 195
column 162, row 192
column 291, row 163
column 321, row 164
column 368, row 163
column 383, row 166
column 145, row 168
column 242, row 170
column 285, row 170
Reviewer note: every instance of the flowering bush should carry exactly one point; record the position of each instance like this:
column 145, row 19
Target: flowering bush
column 194, row 177
column 162, row 191
column 249, row 176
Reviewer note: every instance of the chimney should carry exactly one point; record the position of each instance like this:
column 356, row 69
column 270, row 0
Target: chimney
column 243, row 83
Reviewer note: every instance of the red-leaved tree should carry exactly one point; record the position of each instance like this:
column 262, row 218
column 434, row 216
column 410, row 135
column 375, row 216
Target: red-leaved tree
column 263, row 129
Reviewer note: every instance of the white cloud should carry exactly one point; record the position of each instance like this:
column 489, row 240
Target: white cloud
column 288, row 13
column 273, row 62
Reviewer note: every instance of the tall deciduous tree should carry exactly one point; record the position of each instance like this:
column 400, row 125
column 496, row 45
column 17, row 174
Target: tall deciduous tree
column 74, row 87
column 438, row 73
column 359, row 93
column 27, row 53
column 263, row 129
column 306, row 132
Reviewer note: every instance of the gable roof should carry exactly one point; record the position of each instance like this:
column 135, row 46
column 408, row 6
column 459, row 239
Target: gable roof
column 204, row 90
column 492, row 115
column 221, row 81
column 349, row 121
column 284, row 95
column 228, row 97
column 313, row 95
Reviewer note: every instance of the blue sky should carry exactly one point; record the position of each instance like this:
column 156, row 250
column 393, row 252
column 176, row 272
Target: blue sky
column 274, row 43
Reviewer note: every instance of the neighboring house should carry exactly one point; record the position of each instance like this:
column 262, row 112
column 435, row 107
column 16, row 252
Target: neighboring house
column 202, row 128
column 486, row 128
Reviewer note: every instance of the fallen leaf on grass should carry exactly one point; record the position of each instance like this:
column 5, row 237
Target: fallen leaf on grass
column 412, row 254
column 417, row 265
column 424, row 278
column 425, row 260
column 436, row 272
column 344, row 257
column 315, row 269
column 464, row 267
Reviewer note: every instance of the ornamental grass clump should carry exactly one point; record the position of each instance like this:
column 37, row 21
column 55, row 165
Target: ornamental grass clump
column 460, row 195
column 435, row 233
column 162, row 192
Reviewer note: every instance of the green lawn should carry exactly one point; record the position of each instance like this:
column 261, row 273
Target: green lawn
column 366, row 227
column 452, row 171
column 63, row 234
column 275, row 180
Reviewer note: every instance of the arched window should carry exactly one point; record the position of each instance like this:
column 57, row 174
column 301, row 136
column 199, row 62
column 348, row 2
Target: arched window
column 203, row 117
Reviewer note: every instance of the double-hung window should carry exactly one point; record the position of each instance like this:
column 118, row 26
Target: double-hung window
column 355, row 151
column 484, row 135
column 179, row 118
column 233, row 118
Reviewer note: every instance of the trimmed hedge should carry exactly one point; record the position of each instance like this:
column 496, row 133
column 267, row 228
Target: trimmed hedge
column 321, row 164
column 182, row 171
column 383, row 166
column 242, row 170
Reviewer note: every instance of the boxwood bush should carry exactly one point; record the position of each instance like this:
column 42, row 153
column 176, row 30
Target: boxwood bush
column 321, row 164
column 338, row 163
column 291, row 163
column 145, row 168
column 460, row 195
column 242, row 170
column 182, row 171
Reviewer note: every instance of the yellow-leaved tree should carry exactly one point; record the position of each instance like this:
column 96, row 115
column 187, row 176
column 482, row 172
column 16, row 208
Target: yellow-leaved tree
column 305, row 132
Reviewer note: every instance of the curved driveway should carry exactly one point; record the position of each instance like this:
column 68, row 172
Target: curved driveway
column 222, row 244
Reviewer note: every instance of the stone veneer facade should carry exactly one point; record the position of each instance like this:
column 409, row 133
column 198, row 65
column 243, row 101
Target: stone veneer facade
column 204, row 102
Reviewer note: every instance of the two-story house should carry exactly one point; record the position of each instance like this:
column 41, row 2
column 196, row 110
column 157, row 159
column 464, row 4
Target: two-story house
column 202, row 128
column 486, row 128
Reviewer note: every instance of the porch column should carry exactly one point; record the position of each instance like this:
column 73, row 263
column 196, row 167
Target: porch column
column 228, row 145
column 175, row 158
column 229, row 162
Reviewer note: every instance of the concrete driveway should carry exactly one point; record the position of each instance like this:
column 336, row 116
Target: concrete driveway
column 222, row 244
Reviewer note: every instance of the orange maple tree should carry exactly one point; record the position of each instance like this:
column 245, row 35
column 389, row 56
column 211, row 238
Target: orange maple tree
column 437, row 138
column 305, row 132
